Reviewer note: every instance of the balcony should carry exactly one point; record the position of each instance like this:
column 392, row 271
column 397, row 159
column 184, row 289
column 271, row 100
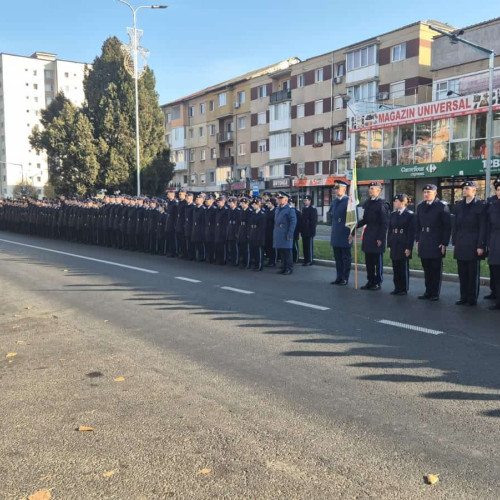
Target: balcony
column 226, row 161
column 224, row 137
column 280, row 96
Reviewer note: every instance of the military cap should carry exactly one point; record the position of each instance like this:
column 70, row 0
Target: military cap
column 307, row 197
column 273, row 200
column 182, row 190
column 222, row 197
column 282, row 194
column 342, row 183
column 189, row 193
column 375, row 184
column 469, row 184
column 401, row 197
column 267, row 193
column 430, row 187
column 257, row 199
column 244, row 199
column 496, row 184
column 232, row 199
column 210, row 196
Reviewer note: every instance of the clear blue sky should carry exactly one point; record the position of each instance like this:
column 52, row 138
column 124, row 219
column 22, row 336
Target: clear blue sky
column 197, row 43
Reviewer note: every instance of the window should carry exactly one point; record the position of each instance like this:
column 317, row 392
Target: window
column 202, row 178
column 203, row 155
column 261, row 118
column 301, row 81
column 242, row 122
column 319, row 75
column 242, row 149
column 230, row 126
column 66, row 75
column 262, row 146
column 176, row 113
column 318, row 167
column 213, row 154
column 185, row 179
column 442, row 89
column 338, row 134
column 366, row 92
column 301, row 110
column 34, row 72
column 49, row 74
column 203, row 108
column 241, row 97
column 222, row 99
column 361, row 58
column 338, row 102
column 191, row 133
column 191, row 111
column 39, row 179
column 318, row 107
column 191, row 155
column 212, row 129
column 35, row 86
column 168, row 139
column 318, row 136
column 211, row 105
column 211, row 177
column 280, row 111
column 262, row 92
column 397, row 90
column 202, row 131
column 340, row 69
column 36, row 99
column 286, row 85
column 301, row 139
column 169, row 117
column 398, row 52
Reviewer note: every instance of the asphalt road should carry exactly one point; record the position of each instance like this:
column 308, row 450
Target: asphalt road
column 283, row 387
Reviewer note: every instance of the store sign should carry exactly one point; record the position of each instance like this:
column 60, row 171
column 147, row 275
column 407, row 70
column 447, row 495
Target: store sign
column 238, row 185
column 321, row 181
column 447, row 108
column 281, row 183
column 422, row 170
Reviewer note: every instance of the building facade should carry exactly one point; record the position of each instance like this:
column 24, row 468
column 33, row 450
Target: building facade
column 27, row 86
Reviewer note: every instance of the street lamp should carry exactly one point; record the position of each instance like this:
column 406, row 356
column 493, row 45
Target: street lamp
column 135, row 50
column 454, row 39
column 17, row 165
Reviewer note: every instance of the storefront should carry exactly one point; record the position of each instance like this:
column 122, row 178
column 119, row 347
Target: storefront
column 441, row 142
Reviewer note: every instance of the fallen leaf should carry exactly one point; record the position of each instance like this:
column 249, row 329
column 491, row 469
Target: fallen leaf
column 41, row 495
column 21, row 342
column 432, row 478
column 109, row 473
column 119, row 379
column 16, row 316
column 106, row 321
column 11, row 354
column 205, row 471
column 11, row 361
column 82, row 428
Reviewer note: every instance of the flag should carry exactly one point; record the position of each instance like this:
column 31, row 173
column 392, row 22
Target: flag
column 352, row 204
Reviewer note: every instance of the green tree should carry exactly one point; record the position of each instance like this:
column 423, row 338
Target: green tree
column 67, row 137
column 157, row 176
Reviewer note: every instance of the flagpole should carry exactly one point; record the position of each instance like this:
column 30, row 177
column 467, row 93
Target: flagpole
column 355, row 258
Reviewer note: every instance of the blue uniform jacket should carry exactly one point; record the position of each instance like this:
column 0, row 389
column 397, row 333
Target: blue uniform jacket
column 285, row 221
column 401, row 235
column 376, row 219
column 340, row 233
column 433, row 228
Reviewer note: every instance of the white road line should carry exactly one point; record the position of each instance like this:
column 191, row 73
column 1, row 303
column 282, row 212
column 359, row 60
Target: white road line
column 237, row 290
column 305, row 304
column 410, row 327
column 149, row 271
column 190, row 280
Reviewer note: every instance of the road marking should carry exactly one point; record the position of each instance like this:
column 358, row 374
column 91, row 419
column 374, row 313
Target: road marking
column 410, row 327
column 237, row 290
column 190, row 280
column 149, row 271
column 305, row 304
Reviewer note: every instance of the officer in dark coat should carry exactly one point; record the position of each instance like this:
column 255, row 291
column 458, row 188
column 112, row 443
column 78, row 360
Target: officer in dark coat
column 180, row 223
column 493, row 242
column 296, row 233
column 188, row 227
column 257, row 235
column 400, row 240
column 492, row 294
column 308, row 229
column 432, row 236
column 285, row 221
column 270, row 251
column 170, row 224
column 339, row 238
column 469, row 242
column 198, row 231
column 221, row 223
column 233, row 224
column 210, row 214
column 376, row 220
column 242, row 235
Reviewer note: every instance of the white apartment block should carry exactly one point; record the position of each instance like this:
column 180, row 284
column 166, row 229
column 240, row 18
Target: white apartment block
column 28, row 85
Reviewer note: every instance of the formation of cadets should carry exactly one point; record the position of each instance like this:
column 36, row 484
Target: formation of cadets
column 255, row 232
column 204, row 227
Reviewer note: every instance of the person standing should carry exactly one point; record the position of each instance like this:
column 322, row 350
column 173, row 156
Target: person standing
column 233, row 224
column 198, row 229
column 285, row 221
column 210, row 215
column 308, row 229
column 221, row 223
column 469, row 242
column 339, row 238
column 170, row 223
column 180, row 223
column 432, row 236
column 493, row 242
column 376, row 220
column 188, row 227
column 271, row 253
column 400, row 240
column 492, row 294
column 257, row 235
column 242, row 234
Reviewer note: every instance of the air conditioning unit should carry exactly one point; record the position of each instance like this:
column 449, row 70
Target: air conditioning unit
column 237, row 105
column 383, row 96
column 338, row 79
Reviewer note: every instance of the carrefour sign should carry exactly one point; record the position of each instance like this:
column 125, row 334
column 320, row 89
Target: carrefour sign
column 421, row 170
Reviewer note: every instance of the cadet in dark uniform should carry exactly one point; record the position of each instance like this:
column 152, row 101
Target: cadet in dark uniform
column 400, row 240
column 469, row 242
column 170, row 224
column 308, row 229
column 296, row 233
column 198, row 232
column 210, row 214
column 376, row 220
column 179, row 225
column 492, row 294
column 221, row 223
column 432, row 236
column 493, row 241
column 188, row 227
column 270, row 251
column 257, row 235
column 242, row 236
column 233, row 224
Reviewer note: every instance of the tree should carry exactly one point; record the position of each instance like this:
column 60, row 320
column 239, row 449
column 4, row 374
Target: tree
column 26, row 189
column 68, row 139
column 157, row 176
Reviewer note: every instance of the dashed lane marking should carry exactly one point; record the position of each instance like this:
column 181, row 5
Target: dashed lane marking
column 410, row 327
column 237, row 290
column 108, row 262
column 305, row 304
column 190, row 280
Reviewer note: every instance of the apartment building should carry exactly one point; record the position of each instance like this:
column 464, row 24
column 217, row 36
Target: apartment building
column 28, row 85
column 443, row 143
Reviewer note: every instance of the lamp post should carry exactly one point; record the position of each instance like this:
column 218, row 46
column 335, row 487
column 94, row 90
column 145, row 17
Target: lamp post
column 455, row 38
column 135, row 50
